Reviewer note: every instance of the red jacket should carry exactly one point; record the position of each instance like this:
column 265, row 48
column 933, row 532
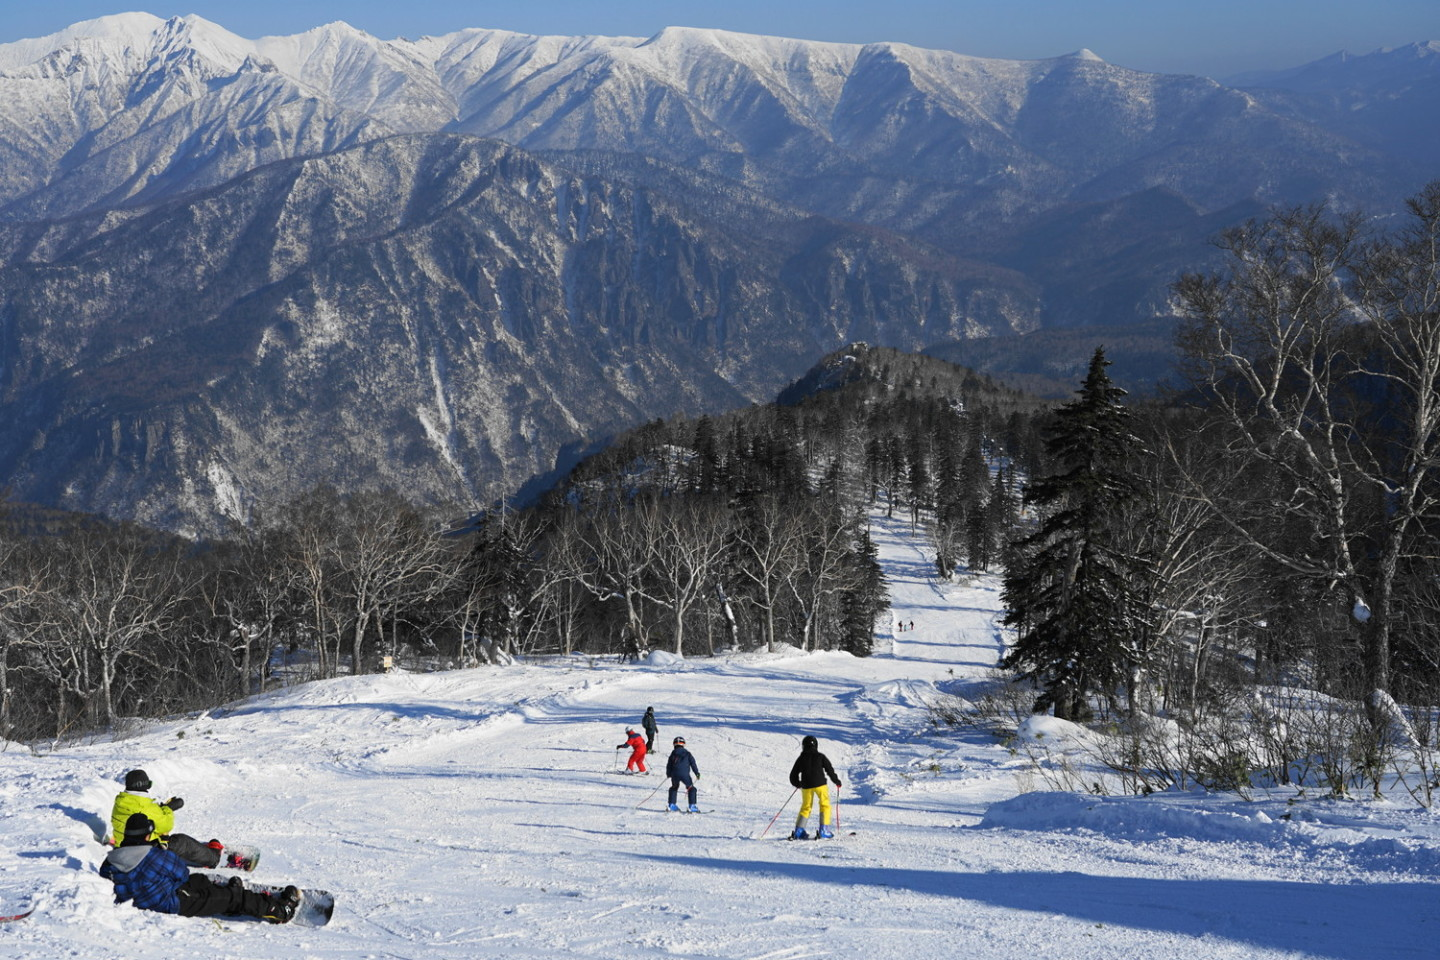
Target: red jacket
column 636, row 743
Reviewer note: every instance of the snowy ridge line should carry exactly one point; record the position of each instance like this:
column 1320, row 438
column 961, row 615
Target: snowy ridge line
column 1141, row 819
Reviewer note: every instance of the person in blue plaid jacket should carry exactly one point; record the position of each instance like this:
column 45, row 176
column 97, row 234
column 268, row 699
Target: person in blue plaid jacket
column 155, row 878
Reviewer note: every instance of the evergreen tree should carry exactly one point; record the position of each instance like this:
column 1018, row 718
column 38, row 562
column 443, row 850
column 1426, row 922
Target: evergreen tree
column 496, row 571
column 989, row 532
column 1071, row 591
column 708, row 469
column 867, row 598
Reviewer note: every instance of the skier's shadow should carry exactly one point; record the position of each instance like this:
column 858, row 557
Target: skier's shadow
column 98, row 825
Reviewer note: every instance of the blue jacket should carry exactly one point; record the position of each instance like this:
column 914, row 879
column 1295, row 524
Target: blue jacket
column 151, row 876
column 680, row 764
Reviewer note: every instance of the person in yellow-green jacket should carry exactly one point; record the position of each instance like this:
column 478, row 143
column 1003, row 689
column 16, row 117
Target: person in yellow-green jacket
column 135, row 799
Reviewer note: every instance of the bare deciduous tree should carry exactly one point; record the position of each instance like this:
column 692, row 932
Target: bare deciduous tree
column 1320, row 351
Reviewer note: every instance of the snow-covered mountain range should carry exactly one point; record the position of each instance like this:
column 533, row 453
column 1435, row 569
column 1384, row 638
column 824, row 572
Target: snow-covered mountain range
column 231, row 267
column 133, row 107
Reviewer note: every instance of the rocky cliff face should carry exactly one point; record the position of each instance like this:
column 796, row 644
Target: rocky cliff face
column 231, row 268
column 431, row 312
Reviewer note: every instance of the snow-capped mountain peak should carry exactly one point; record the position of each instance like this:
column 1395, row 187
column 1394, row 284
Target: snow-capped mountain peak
column 1344, row 71
column 118, row 32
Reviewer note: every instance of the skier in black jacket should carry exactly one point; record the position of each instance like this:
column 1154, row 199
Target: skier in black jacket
column 809, row 773
column 679, row 768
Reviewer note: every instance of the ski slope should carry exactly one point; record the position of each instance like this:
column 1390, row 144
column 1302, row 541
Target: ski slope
column 480, row 814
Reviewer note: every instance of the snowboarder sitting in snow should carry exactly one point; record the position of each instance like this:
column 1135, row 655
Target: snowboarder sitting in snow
column 808, row 774
column 679, row 768
column 651, row 728
column 154, row 878
column 636, row 743
column 133, row 800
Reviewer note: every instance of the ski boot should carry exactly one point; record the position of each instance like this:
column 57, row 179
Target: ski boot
column 673, row 808
column 825, row 833
column 799, row 834
column 282, row 908
column 693, row 809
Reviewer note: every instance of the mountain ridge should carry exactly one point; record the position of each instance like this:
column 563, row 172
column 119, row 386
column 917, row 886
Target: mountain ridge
column 469, row 312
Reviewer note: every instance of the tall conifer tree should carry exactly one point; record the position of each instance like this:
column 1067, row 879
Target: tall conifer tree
column 1071, row 591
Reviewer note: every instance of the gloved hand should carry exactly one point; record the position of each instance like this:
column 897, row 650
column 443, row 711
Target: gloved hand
column 621, row 747
column 838, row 784
column 174, row 803
column 697, row 778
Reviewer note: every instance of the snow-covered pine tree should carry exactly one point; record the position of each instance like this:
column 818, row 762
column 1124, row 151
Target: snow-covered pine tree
column 862, row 604
column 1071, row 590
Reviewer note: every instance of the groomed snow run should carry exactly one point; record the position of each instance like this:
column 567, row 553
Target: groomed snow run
column 479, row 813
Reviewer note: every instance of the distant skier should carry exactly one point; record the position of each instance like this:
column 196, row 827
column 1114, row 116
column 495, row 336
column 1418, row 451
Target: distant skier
column 808, row 774
column 650, row 729
column 679, row 768
column 156, row 879
column 636, row 743
column 134, row 800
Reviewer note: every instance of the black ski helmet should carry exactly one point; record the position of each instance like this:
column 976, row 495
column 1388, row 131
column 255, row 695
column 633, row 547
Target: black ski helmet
column 138, row 826
column 679, row 741
column 137, row 780
column 810, row 743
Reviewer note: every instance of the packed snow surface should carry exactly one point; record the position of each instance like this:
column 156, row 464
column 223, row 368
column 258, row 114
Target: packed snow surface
column 481, row 813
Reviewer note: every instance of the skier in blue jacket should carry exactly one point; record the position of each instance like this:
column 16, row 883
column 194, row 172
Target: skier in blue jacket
column 679, row 768
column 155, row 878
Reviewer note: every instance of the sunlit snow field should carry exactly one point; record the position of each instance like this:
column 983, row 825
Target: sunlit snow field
column 480, row 813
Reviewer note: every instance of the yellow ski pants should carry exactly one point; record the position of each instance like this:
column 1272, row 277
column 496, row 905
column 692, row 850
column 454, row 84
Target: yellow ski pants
column 808, row 797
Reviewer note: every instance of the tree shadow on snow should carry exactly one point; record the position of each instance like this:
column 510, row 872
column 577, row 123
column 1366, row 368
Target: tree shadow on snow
column 1343, row 921
column 433, row 710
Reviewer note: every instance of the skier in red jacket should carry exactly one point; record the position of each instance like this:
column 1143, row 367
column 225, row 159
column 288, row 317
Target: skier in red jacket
column 636, row 743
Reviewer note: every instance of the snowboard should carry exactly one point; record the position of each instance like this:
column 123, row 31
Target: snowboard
column 315, row 909
column 233, row 856
column 238, row 856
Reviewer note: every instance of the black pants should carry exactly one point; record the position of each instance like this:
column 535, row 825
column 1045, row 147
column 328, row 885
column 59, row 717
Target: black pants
column 192, row 851
column 200, row 896
column 689, row 789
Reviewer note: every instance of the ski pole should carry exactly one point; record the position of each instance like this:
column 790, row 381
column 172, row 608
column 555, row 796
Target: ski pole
column 650, row 794
column 778, row 812
column 837, row 810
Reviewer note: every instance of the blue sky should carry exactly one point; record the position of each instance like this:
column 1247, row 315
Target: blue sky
column 1214, row 37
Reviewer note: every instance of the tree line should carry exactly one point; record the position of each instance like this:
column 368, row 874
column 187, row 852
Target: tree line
column 741, row 531
column 1269, row 529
